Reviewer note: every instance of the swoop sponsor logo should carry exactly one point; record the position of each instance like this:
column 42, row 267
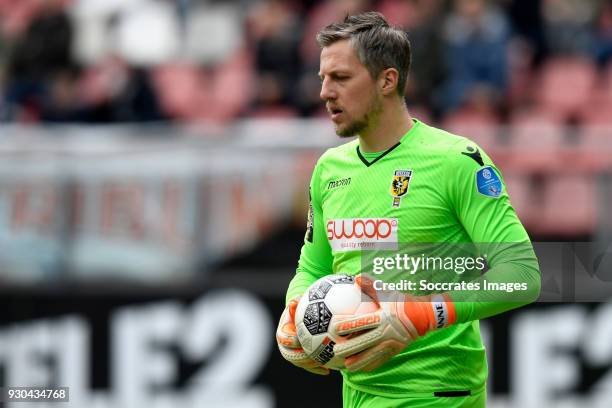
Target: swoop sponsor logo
column 352, row 234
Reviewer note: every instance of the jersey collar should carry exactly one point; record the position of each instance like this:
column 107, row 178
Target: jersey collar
column 365, row 161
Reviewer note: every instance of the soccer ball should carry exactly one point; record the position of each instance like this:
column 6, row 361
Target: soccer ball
column 325, row 301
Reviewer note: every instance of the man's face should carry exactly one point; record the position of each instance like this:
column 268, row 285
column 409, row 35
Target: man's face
column 350, row 93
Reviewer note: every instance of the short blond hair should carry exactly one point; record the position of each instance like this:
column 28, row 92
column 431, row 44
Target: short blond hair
column 378, row 45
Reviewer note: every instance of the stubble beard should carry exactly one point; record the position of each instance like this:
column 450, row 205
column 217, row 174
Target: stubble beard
column 369, row 120
column 354, row 128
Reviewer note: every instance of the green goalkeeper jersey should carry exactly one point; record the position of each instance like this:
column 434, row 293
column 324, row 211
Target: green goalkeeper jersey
column 431, row 187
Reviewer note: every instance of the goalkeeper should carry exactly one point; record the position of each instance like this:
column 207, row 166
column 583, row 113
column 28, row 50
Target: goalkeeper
column 401, row 181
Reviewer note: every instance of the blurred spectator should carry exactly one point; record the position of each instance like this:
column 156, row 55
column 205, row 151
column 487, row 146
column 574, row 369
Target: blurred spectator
column 113, row 91
column 17, row 15
column 602, row 41
column 528, row 25
column 275, row 30
column 477, row 37
column 428, row 71
column 42, row 50
column 568, row 25
column 210, row 60
column 322, row 14
column 62, row 102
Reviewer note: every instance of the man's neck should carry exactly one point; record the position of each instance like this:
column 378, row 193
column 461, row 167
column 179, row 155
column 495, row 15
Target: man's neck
column 393, row 123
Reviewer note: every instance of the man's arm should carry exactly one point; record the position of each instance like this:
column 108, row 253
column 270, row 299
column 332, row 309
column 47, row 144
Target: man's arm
column 478, row 195
column 315, row 261
column 316, row 257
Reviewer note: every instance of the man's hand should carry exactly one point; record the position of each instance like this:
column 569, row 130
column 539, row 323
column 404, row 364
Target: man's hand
column 373, row 338
column 289, row 345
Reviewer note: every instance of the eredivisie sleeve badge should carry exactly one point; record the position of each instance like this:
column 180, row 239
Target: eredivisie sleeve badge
column 399, row 185
column 488, row 182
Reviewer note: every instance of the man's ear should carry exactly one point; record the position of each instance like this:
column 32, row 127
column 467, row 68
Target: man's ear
column 388, row 81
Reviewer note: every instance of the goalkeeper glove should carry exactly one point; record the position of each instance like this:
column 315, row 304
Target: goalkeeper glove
column 289, row 345
column 373, row 338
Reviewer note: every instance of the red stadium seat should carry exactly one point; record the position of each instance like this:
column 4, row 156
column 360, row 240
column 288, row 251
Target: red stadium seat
column 399, row 13
column 181, row 89
column 598, row 110
column 536, row 141
column 480, row 127
column 188, row 93
column 521, row 197
column 565, row 85
column 232, row 88
column 606, row 82
column 595, row 134
column 322, row 14
column 595, row 146
column 570, row 205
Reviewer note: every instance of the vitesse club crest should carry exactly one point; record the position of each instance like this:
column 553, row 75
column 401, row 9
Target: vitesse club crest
column 399, row 185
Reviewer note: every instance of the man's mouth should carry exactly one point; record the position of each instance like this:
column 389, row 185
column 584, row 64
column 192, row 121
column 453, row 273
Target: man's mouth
column 335, row 112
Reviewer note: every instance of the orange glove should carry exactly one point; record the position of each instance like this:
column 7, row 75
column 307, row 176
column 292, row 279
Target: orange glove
column 289, row 345
column 373, row 338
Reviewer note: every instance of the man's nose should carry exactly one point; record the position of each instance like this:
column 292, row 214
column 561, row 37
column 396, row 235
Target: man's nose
column 327, row 93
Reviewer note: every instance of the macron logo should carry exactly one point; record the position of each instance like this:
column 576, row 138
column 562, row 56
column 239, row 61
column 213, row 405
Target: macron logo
column 339, row 183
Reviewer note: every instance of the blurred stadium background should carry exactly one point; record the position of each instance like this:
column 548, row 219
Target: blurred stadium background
column 154, row 163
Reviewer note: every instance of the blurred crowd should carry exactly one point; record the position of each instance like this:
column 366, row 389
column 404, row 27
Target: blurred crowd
column 484, row 61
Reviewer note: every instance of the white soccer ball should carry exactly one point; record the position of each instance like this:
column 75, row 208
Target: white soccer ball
column 325, row 301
